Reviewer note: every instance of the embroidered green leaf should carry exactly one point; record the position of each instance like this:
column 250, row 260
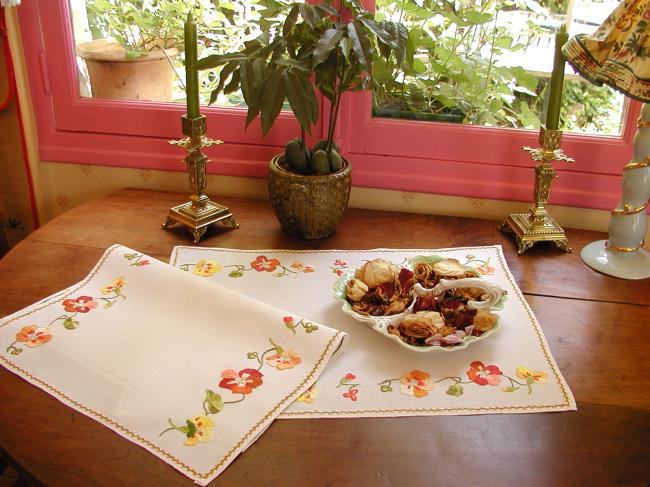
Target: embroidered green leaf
column 470, row 257
column 386, row 388
column 70, row 324
column 214, row 401
column 108, row 305
column 236, row 274
column 455, row 390
column 510, row 389
column 251, row 355
column 191, row 429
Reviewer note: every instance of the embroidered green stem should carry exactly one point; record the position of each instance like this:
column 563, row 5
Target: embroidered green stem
column 13, row 349
column 307, row 325
column 385, row 385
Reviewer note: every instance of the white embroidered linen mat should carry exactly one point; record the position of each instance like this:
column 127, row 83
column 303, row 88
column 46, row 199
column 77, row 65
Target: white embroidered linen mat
column 190, row 371
column 510, row 371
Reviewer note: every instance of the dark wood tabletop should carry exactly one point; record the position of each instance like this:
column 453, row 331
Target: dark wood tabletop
column 598, row 329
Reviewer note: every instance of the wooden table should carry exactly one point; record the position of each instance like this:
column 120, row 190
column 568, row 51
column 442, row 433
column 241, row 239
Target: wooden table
column 598, row 329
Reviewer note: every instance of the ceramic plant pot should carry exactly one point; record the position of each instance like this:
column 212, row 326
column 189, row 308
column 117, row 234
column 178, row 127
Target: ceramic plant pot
column 308, row 207
column 113, row 75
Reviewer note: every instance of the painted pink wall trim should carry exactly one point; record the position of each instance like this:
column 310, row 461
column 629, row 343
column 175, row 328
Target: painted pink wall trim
column 410, row 156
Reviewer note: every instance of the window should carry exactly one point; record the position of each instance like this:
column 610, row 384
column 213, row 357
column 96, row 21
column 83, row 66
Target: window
column 445, row 158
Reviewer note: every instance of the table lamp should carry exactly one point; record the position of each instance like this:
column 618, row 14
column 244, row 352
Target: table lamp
column 618, row 54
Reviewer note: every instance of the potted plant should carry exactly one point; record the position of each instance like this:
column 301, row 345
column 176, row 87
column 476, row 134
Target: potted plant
column 135, row 44
column 334, row 48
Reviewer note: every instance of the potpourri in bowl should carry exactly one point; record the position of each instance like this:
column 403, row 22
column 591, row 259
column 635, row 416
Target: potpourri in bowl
column 442, row 305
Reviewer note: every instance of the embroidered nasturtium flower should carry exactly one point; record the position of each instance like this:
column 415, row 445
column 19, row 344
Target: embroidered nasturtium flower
column 300, row 267
column 206, row 268
column 483, row 374
column 309, row 396
column 82, row 304
column 34, row 336
column 264, row 264
column 241, row 383
column 199, row 429
column 288, row 359
column 340, row 263
column 485, row 269
column 140, row 263
column 351, row 394
column 338, row 272
column 115, row 287
column 531, row 376
column 288, row 322
column 416, row 383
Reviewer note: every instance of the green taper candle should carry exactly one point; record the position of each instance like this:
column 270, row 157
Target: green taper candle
column 191, row 73
column 557, row 81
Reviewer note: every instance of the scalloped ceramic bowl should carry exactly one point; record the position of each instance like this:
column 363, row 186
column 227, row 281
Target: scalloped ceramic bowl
column 380, row 323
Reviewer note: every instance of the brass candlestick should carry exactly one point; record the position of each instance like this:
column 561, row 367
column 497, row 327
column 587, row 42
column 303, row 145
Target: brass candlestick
column 200, row 211
column 537, row 225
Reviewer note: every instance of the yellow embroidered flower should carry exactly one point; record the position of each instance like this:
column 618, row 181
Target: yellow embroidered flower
column 206, row 268
column 116, row 286
column 200, row 429
column 531, row 375
column 309, row 396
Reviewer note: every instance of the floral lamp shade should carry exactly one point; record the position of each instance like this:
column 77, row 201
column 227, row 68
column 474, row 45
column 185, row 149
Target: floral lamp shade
column 618, row 54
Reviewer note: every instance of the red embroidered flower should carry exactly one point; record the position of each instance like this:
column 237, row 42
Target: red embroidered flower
column 340, row 263
column 82, row 304
column 241, row 383
column 264, row 264
column 33, row 336
column 351, row 394
column 484, row 375
column 349, row 376
column 142, row 262
column 338, row 272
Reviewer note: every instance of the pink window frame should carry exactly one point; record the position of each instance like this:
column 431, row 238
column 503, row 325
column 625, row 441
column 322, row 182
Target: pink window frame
column 427, row 157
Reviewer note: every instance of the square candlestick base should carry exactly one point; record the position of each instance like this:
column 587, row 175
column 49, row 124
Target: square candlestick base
column 198, row 214
column 530, row 229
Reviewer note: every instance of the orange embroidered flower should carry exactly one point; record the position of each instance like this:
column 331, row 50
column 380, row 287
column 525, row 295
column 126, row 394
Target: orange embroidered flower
column 485, row 269
column 288, row 359
column 33, row 336
column 309, row 396
column 532, row 375
column 264, row 264
column 199, row 429
column 206, row 268
column 416, row 383
column 115, row 287
column 82, row 304
column 484, row 375
column 241, row 383
column 300, row 267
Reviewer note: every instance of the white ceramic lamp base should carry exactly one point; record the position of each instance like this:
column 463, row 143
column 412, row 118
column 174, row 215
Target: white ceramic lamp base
column 626, row 265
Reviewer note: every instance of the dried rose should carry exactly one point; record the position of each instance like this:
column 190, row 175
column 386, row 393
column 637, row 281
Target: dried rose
column 484, row 320
column 355, row 290
column 421, row 325
column 396, row 306
column 422, row 272
column 449, row 268
column 376, row 272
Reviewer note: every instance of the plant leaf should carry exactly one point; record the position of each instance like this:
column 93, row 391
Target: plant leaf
column 360, row 44
column 326, row 77
column 226, row 71
column 216, row 60
column 290, row 21
column 274, row 93
column 302, row 99
column 326, row 44
column 308, row 14
column 233, row 85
